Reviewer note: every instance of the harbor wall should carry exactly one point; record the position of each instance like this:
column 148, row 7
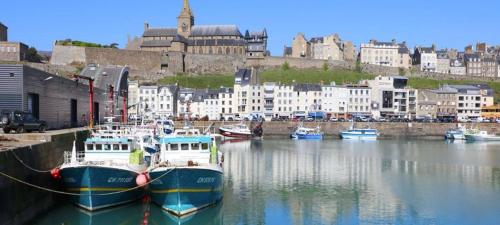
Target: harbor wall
column 20, row 204
column 387, row 130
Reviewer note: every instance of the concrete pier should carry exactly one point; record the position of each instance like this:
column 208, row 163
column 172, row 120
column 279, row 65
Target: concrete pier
column 20, row 204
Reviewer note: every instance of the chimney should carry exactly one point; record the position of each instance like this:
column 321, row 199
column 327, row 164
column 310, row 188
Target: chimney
column 146, row 26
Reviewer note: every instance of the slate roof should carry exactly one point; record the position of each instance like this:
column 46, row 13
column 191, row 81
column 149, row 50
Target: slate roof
column 156, row 43
column 403, row 49
column 111, row 75
column 215, row 30
column 160, row 32
column 288, row 50
column 317, row 40
column 306, row 87
column 243, row 77
column 426, row 50
column 226, row 90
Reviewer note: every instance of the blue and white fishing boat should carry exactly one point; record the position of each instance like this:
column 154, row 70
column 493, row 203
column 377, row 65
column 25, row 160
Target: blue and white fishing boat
column 359, row 134
column 456, row 134
column 188, row 175
column 304, row 133
column 105, row 174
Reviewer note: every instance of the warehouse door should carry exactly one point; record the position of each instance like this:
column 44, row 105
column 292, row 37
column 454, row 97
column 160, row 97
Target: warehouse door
column 34, row 105
column 74, row 113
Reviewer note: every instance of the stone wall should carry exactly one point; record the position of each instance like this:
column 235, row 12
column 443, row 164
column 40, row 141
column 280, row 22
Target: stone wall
column 21, row 203
column 66, row 55
column 136, row 60
column 213, row 64
column 387, row 130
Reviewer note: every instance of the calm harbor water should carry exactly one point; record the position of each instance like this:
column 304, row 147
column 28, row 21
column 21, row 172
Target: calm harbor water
column 336, row 182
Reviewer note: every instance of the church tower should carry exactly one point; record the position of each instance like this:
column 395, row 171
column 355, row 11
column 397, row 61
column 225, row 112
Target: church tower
column 185, row 21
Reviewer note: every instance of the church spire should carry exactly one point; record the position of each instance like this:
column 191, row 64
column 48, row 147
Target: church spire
column 186, row 9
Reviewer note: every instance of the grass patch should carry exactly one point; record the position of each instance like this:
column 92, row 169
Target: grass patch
column 314, row 76
column 200, row 82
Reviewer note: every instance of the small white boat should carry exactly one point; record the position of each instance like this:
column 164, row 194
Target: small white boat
column 456, row 134
column 359, row 134
column 480, row 135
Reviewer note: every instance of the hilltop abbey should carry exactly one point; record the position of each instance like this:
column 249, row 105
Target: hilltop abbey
column 202, row 39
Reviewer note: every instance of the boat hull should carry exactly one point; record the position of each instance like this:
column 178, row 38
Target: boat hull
column 185, row 190
column 350, row 136
column 232, row 134
column 93, row 181
column 307, row 136
column 482, row 138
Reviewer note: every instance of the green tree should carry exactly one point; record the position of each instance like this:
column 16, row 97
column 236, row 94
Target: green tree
column 285, row 66
column 113, row 45
column 402, row 71
column 325, row 67
column 33, row 56
column 358, row 67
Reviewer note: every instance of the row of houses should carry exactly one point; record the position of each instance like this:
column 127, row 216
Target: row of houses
column 381, row 97
column 483, row 61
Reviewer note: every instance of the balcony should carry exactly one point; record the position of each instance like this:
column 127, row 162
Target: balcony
column 268, row 96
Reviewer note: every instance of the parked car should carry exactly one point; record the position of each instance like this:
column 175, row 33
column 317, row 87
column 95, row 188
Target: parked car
column 21, row 122
column 498, row 120
column 334, row 119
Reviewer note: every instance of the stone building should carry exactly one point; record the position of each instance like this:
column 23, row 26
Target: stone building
column 457, row 67
column 12, row 51
column 256, row 44
column 201, row 39
column 61, row 102
column 389, row 54
column 350, row 51
column 442, row 62
column 440, row 103
column 3, row 32
column 489, row 67
column 473, row 64
column 301, row 48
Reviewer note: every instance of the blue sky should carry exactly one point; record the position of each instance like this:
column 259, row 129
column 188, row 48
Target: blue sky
column 446, row 23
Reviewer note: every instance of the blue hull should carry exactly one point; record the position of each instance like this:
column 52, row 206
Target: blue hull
column 185, row 190
column 91, row 182
column 307, row 136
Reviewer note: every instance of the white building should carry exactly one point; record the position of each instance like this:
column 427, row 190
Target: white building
column 148, row 101
column 360, row 100
column 226, row 100
column 284, row 101
column 247, row 96
column 306, row 97
column 390, row 97
column 167, row 101
column 133, row 98
column 335, row 100
column 468, row 100
column 426, row 58
column 268, row 98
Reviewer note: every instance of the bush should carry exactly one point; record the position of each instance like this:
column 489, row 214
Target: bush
column 285, row 66
column 402, row 71
column 325, row 67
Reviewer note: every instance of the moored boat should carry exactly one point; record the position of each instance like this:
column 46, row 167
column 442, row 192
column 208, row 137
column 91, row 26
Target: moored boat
column 240, row 131
column 456, row 134
column 188, row 175
column 304, row 133
column 359, row 134
column 480, row 135
column 105, row 174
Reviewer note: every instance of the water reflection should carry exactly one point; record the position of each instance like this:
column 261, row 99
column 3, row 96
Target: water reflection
column 387, row 182
column 336, row 182
column 132, row 214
